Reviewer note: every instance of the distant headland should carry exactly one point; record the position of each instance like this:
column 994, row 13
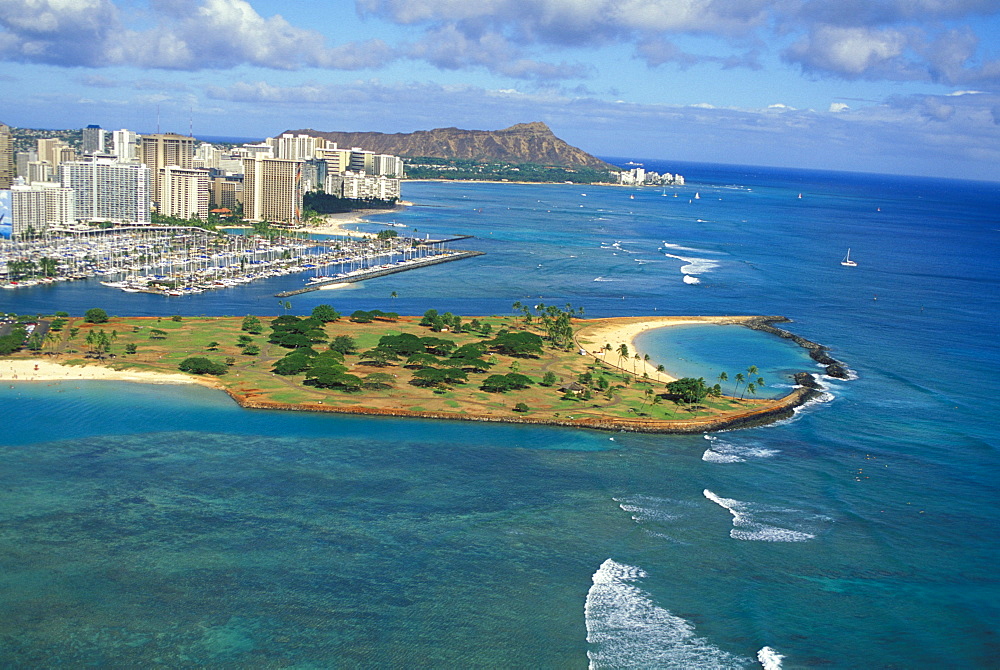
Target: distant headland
column 521, row 143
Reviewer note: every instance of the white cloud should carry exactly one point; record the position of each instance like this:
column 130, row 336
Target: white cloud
column 189, row 35
column 836, row 107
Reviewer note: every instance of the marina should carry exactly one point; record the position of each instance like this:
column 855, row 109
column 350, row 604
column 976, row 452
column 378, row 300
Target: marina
column 188, row 260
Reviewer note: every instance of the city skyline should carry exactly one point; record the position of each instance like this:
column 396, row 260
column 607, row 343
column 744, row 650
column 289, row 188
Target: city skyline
column 880, row 86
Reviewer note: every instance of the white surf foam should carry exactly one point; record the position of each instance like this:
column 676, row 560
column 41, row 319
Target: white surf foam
column 769, row 659
column 678, row 247
column 756, row 522
column 695, row 266
column 723, row 451
column 651, row 508
column 626, row 629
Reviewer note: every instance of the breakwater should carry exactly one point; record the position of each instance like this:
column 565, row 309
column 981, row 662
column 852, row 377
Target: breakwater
column 362, row 275
column 817, row 352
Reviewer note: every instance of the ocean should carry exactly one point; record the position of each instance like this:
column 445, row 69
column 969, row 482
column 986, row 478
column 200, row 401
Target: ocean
column 164, row 526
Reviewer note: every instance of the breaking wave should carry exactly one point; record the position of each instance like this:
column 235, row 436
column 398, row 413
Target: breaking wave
column 626, row 629
column 765, row 523
column 769, row 659
column 722, row 451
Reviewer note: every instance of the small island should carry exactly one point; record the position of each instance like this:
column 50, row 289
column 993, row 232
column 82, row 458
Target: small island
column 547, row 366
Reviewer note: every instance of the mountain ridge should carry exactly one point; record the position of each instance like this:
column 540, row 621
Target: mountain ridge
column 532, row 142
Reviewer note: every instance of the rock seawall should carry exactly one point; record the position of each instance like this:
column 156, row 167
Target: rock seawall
column 817, row 352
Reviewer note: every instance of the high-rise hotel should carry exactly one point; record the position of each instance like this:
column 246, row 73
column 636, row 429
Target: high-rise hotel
column 272, row 189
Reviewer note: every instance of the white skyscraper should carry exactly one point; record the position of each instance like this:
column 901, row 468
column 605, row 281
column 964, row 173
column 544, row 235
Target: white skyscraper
column 107, row 190
column 124, row 145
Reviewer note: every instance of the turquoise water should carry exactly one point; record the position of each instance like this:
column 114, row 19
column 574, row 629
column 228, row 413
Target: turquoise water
column 709, row 350
column 163, row 526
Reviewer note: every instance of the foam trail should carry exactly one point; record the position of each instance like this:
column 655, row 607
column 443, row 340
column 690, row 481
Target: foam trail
column 769, row 658
column 625, row 629
column 748, row 526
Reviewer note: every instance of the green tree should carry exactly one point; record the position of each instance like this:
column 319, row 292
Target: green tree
column 202, row 366
column 95, row 315
column 688, row 389
column 325, row 313
column 521, row 344
column 520, row 407
column 549, row 379
column 344, row 344
column 252, row 324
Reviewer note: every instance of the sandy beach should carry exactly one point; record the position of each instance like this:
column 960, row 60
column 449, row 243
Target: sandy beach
column 335, row 224
column 594, row 335
column 27, row 369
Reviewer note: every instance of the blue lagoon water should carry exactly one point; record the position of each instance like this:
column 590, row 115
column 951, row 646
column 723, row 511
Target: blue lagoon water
column 164, row 526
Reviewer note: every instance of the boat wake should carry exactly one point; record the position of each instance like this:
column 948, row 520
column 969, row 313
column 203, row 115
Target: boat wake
column 626, row 629
column 766, row 523
column 722, row 451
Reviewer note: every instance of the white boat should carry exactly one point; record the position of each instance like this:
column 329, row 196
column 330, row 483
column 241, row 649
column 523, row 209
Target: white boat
column 847, row 260
column 697, row 196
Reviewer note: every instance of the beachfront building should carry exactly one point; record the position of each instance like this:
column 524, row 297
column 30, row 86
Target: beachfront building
column 93, row 140
column 272, row 189
column 186, row 192
column 107, row 190
column 6, row 157
column 158, row 151
column 361, row 186
column 641, row 177
column 387, row 165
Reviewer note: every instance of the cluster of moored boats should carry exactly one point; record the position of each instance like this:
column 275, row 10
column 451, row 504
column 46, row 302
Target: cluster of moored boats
column 184, row 261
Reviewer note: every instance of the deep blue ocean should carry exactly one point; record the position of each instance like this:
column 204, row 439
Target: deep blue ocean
column 163, row 526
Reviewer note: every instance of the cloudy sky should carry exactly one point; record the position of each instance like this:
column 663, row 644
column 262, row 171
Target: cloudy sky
column 898, row 86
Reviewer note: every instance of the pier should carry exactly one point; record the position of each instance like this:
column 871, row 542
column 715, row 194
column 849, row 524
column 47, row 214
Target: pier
column 362, row 275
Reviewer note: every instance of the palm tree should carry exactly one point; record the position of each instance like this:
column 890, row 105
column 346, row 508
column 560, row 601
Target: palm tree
column 622, row 353
column 635, row 362
column 723, row 377
column 660, row 369
column 739, row 380
column 752, row 388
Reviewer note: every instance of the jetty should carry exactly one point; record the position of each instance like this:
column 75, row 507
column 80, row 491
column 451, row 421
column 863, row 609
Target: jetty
column 381, row 271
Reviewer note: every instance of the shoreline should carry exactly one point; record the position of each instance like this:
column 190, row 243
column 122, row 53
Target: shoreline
column 333, row 224
column 617, row 331
column 593, row 334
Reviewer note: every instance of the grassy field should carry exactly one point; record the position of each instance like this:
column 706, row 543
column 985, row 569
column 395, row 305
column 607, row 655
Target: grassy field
column 620, row 396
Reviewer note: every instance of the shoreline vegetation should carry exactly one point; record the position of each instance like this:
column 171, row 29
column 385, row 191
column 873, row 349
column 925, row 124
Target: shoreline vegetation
column 586, row 382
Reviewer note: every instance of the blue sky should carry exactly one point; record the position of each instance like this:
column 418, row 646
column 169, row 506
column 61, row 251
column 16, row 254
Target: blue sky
column 898, row 86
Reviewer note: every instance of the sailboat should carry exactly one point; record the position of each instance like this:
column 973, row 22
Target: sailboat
column 847, row 260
